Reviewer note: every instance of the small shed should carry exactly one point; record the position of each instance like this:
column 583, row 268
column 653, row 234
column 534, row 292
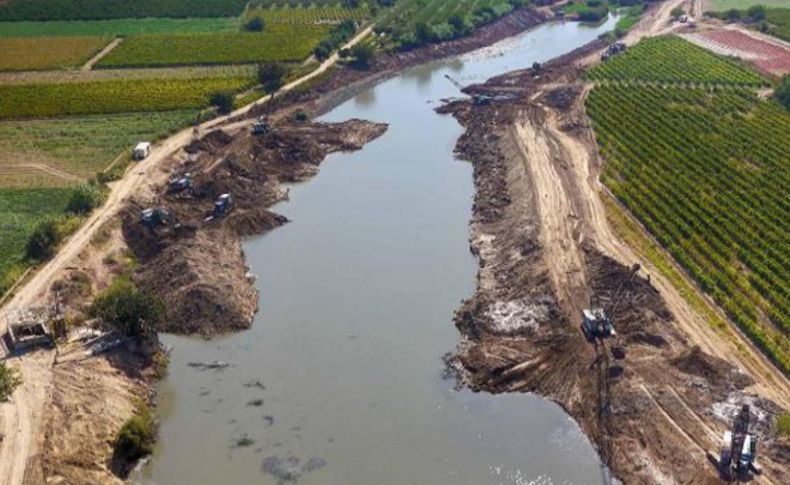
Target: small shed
column 27, row 327
column 141, row 150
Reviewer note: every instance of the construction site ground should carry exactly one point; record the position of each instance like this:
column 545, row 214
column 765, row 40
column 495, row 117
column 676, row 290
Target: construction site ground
column 545, row 245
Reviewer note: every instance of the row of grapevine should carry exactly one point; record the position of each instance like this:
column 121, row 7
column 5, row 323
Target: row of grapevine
column 308, row 15
column 706, row 172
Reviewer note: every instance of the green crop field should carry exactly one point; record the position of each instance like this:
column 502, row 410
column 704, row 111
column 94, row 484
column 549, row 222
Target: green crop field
column 117, row 9
column 118, row 96
column 706, row 172
column 329, row 13
column 671, row 59
column 744, row 4
column 778, row 20
column 286, row 43
column 118, row 27
column 79, row 146
column 20, row 211
column 27, row 54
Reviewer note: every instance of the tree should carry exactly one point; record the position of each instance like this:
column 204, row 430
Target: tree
column 363, row 54
column 41, row 243
column 756, row 13
column 223, row 101
column 271, row 76
column 255, row 25
column 782, row 93
column 131, row 311
column 733, row 14
column 9, row 381
column 677, row 12
column 84, row 199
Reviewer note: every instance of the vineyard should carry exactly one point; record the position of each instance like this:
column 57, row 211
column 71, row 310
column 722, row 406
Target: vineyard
column 706, row 171
column 671, row 59
column 117, row 9
column 119, row 96
column 285, row 43
column 30, row 54
column 116, row 27
column 312, row 14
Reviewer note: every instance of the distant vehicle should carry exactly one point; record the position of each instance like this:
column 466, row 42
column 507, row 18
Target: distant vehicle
column 738, row 455
column 179, row 183
column 141, row 150
column 261, row 126
column 222, row 205
column 613, row 50
column 683, row 19
column 157, row 216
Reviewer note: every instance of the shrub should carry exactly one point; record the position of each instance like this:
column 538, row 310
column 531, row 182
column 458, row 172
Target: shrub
column 783, row 425
column 84, row 199
column 271, row 76
column 756, row 13
column 363, row 55
column 223, row 101
column 136, row 438
column 9, row 381
column 129, row 310
column 42, row 242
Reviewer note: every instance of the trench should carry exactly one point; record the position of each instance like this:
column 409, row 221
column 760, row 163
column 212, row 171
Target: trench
column 340, row 379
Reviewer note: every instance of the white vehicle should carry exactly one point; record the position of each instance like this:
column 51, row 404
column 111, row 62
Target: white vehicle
column 141, row 150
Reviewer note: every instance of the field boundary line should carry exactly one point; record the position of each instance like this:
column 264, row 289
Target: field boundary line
column 99, row 55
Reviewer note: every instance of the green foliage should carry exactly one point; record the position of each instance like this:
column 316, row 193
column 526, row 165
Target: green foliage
column 778, row 22
column 223, row 101
column 9, row 381
column 47, row 235
column 136, row 438
column 363, row 54
column 117, row 96
column 338, row 36
column 328, row 12
column 127, row 309
column 85, row 198
column 783, row 425
column 677, row 12
column 272, row 76
column 255, row 24
column 117, row 9
column 722, row 5
column 277, row 43
column 705, row 172
column 116, row 27
column 670, row 59
column 782, row 93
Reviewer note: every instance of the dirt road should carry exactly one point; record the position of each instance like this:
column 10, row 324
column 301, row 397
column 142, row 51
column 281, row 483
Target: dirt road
column 21, row 418
column 99, row 55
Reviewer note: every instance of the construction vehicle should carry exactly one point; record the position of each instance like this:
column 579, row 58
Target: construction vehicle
column 261, row 126
column 597, row 323
column 477, row 98
column 179, row 183
column 613, row 50
column 739, row 450
column 222, row 205
column 157, row 216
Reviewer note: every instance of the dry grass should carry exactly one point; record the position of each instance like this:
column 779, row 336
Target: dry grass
column 34, row 54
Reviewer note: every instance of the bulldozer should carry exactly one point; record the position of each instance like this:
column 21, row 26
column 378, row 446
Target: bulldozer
column 738, row 455
column 597, row 323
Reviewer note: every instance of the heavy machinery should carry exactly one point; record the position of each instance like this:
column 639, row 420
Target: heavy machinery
column 613, row 50
column 597, row 320
column 739, row 449
column 477, row 98
column 261, row 126
column 179, row 183
column 157, row 216
column 222, row 205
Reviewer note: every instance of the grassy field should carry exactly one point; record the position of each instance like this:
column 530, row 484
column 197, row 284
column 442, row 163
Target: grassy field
column 286, row 43
column 121, row 96
column 79, row 146
column 20, row 211
column 744, row 4
column 30, row 54
column 118, row 27
column 671, row 59
column 706, row 173
column 117, row 9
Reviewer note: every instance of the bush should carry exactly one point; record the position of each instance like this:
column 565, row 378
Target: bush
column 677, row 12
column 136, row 438
column 223, row 101
column 42, row 242
column 363, row 55
column 9, row 381
column 129, row 310
column 255, row 25
column 756, row 13
column 84, row 199
column 271, row 76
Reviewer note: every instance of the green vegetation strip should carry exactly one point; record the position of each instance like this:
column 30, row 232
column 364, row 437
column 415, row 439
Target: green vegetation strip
column 49, row 100
column 671, row 59
column 117, row 9
column 118, row 27
column 330, row 13
column 285, row 44
column 777, row 22
column 32, row 54
column 706, row 173
column 744, row 4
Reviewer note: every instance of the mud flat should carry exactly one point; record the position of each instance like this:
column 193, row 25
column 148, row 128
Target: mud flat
column 651, row 401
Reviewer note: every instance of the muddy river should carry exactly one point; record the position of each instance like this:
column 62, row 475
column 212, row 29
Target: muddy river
column 339, row 381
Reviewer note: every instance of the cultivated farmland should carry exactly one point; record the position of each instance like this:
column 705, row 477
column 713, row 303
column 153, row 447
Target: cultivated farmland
column 284, row 44
column 117, row 9
column 48, row 100
column 314, row 14
column 671, row 59
column 706, row 173
column 29, row 54
column 116, row 27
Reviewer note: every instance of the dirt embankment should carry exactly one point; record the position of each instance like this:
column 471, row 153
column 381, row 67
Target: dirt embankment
column 195, row 262
column 650, row 399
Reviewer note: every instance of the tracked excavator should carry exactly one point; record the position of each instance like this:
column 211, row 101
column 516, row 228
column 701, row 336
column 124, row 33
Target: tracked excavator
column 597, row 321
column 738, row 456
